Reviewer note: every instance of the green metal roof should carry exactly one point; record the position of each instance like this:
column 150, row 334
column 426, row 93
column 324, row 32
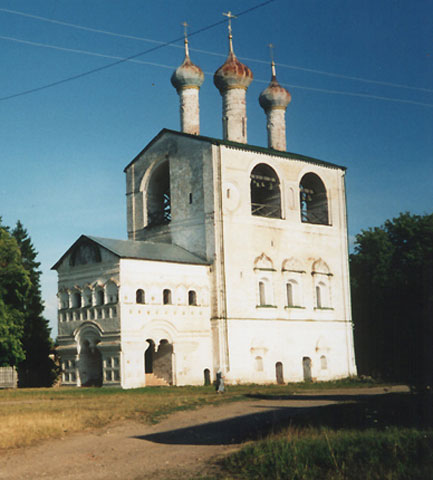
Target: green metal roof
column 142, row 250
column 240, row 146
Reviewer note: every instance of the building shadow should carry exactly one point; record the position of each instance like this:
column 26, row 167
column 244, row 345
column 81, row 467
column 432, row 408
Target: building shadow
column 355, row 412
column 229, row 431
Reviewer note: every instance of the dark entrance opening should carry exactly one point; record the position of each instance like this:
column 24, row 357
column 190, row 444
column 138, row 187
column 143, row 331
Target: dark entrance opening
column 279, row 373
column 90, row 365
column 148, row 357
column 306, row 366
column 206, row 376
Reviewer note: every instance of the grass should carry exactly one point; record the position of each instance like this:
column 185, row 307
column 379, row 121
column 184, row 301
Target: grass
column 30, row 415
column 380, row 438
column 395, row 454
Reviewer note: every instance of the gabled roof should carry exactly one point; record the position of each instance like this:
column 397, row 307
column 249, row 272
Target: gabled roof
column 140, row 250
column 240, row 146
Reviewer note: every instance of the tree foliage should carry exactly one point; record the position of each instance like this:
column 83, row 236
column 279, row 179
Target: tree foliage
column 24, row 333
column 392, row 297
column 14, row 286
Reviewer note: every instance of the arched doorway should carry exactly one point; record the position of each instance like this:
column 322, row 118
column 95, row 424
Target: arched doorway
column 158, row 363
column 90, row 364
column 279, row 373
column 206, row 374
column 306, row 366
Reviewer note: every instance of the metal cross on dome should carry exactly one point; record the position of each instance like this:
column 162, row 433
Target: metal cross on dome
column 230, row 16
column 185, row 29
column 271, row 51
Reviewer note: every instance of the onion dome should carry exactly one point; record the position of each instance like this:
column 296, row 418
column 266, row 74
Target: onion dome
column 232, row 74
column 188, row 75
column 274, row 95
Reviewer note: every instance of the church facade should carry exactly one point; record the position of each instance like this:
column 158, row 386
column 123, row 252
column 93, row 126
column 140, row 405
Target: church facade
column 236, row 259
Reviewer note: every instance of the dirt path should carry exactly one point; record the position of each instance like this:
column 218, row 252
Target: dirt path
column 181, row 446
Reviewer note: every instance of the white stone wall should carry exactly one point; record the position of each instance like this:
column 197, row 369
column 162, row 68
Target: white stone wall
column 255, row 249
column 186, row 327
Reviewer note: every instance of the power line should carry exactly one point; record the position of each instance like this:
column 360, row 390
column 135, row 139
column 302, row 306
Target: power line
column 161, row 65
column 207, row 52
column 123, row 60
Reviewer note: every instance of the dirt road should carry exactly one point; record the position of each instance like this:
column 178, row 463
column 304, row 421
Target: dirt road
column 181, row 446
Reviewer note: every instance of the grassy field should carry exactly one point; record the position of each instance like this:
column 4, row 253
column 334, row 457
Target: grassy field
column 30, row 415
column 385, row 438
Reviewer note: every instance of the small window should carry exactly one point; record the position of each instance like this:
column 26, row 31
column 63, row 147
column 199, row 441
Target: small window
column 166, row 297
column 289, row 290
column 318, row 297
column 139, row 296
column 190, row 198
column 76, row 300
column 262, row 293
column 100, row 297
column 192, row 297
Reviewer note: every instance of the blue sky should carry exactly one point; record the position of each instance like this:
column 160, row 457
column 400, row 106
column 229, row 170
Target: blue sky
column 360, row 75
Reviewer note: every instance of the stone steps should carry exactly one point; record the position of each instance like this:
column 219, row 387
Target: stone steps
column 153, row 381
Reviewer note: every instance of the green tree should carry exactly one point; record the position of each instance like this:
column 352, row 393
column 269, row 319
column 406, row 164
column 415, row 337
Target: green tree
column 392, row 296
column 14, row 287
column 37, row 369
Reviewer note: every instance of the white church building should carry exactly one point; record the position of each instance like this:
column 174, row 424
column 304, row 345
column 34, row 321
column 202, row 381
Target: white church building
column 236, row 259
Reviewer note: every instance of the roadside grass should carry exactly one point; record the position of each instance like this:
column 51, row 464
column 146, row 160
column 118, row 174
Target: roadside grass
column 31, row 415
column 378, row 438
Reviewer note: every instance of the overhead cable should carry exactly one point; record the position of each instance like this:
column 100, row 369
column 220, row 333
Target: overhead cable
column 123, row 60
column 207, row 52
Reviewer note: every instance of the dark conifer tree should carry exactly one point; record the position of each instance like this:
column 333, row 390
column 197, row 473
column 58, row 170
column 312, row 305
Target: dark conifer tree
column 38, row 369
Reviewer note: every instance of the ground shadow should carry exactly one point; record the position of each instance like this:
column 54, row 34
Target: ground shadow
column 306, row 397
column 230, row 431
column 357, row 412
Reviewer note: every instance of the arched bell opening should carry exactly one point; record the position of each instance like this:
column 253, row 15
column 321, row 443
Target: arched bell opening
column 313, row 200
column 158, row 196
column 265, row 192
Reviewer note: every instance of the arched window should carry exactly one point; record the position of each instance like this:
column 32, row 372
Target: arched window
column 265, row 192
column 166, row 297
column 192, row 297
column 139, row 296
column 158, row 196
column 313, row 200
